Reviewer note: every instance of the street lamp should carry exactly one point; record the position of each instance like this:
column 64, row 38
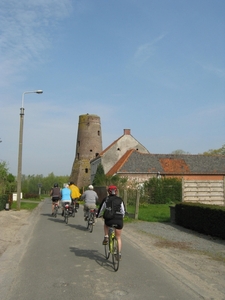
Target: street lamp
column 21, row 146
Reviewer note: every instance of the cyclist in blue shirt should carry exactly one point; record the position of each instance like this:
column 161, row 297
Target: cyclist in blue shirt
column 65, row 196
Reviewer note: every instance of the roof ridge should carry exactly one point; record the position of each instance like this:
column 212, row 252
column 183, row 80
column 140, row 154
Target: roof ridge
column 121, row 162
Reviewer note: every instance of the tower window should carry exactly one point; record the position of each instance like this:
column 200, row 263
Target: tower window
column 98, row 132
column 86, row 170
column 90, row 150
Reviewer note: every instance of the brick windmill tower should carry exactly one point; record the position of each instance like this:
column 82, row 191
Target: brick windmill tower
column 89, row 145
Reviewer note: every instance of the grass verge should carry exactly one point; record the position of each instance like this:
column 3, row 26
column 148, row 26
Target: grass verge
column 150, row 213
column 24, row 205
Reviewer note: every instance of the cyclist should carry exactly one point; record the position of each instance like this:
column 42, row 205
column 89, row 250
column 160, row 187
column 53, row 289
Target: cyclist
column 65, row 196
column 117, row 220
column 90, row 198
column 75, row 193
column 56, row 195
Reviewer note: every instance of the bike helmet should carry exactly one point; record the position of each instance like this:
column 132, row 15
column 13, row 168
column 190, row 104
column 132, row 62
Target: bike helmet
column 112, row 190
column 56, row 185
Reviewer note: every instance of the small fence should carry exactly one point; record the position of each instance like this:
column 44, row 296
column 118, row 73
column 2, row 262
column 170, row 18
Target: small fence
column 204, row 191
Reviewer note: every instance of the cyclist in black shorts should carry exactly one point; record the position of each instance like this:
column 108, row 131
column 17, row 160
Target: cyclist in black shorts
column 118, row 215
column 56, row 195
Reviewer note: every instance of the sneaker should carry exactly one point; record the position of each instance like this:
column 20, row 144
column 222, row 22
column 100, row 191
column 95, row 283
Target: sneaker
column 118, row 257
column 105, row 241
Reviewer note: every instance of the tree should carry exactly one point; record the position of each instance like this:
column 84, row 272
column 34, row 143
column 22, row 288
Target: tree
column 7, row 180
column 99, row 179
column 30, row 183
column 179, row 151
column 220, row 151
column 3, row 176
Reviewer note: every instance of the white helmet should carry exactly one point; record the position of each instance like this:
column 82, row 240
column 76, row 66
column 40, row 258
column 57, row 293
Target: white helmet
column 91, row 187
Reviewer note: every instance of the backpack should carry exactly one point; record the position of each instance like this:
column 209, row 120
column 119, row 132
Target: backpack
column 112, row 207
column 56, row 192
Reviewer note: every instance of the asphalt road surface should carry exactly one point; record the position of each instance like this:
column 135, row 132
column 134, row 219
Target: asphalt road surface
column 60, row 261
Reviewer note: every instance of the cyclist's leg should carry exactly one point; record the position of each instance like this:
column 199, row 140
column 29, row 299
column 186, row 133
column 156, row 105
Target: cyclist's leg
column 52, row 207
column 62, row 204
column 75, row 204
column 92, row 206
column 118, row 233
column 106, row 234
column 85, row 211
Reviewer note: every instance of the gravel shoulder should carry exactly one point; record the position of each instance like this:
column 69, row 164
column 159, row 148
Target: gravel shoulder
column 193, row 259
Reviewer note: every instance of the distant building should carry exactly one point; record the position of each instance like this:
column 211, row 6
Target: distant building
column 88, row 146
column 113, row 153
column 142, row 166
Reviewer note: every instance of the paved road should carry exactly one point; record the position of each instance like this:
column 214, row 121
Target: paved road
column 62, row 261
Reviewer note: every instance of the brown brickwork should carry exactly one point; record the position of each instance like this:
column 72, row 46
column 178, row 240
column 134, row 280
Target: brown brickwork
column 89, row 145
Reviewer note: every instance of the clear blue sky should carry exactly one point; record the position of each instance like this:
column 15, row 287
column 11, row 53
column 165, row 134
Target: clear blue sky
column 156, row 67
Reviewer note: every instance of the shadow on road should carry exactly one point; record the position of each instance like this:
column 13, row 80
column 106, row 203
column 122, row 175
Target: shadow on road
column 78, row 226
column 94, row 255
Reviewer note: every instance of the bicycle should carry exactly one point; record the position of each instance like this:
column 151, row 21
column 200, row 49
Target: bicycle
column 68, row 211
column 91, row 219
column 113, row 248
column 75, row 206
column 56, row 208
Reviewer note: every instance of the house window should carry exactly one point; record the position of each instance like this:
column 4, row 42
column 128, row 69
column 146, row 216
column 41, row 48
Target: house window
column 118, row 149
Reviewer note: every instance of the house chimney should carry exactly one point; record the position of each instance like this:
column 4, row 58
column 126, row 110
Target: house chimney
column 126, row 131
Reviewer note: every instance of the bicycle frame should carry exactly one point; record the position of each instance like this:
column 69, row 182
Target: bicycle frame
column 68, row 211
column 56, row 207
column 113, row 249
column 90, row 219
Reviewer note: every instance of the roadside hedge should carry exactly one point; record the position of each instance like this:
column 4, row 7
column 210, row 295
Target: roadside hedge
column 3, row 201
column 206, row 219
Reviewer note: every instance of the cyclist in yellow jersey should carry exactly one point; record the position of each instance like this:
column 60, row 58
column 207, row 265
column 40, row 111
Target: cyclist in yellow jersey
column 75, row 192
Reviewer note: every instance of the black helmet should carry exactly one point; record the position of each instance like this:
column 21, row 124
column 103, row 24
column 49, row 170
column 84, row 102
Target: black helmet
column 56, row 185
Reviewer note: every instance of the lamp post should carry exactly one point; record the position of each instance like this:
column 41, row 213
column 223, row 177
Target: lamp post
column 21, row 146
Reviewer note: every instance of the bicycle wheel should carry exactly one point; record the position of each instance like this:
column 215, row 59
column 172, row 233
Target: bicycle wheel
column 115, row 254
column 55, row 211
column 90, row 224
column 107, row 252
column 66, row 216
column 73, row 213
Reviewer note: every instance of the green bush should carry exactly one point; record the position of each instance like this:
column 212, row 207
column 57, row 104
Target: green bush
column 164, row 190
column 206, row 219
column 3, row 201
